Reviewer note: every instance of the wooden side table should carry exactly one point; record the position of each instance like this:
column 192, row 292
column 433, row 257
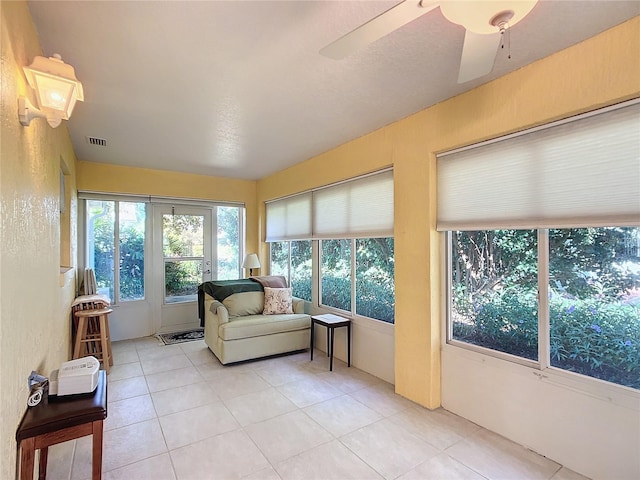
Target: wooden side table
column 60, row 420
column 331, row 322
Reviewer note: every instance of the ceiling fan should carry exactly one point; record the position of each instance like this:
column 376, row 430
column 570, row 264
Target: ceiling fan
column 484, row 20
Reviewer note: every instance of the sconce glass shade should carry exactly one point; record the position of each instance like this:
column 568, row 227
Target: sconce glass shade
column 476, row 15
column 57, row 89
column 251, row 261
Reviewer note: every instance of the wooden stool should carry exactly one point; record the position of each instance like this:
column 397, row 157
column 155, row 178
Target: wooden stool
column 92, row 337
column 85, row 302
column 60, row 420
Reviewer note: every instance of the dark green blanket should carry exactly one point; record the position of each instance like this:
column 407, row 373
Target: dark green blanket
column 221, row 289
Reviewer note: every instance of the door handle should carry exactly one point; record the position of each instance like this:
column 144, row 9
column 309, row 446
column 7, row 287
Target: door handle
column 207, row 272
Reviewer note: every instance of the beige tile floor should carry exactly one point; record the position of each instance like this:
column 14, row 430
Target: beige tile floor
column 176, row 413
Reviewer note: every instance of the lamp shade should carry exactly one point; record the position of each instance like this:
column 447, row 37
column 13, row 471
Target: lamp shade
column 56, row 87
column 251, row 261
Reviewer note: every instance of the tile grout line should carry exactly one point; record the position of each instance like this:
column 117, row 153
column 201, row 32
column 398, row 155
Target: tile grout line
column 344, row 378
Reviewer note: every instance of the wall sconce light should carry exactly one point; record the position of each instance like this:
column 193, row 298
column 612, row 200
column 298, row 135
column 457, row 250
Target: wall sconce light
column 57, row 90
column 251, row 261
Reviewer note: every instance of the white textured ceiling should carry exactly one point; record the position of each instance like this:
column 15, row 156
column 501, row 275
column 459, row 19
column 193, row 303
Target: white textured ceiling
column 238, row 88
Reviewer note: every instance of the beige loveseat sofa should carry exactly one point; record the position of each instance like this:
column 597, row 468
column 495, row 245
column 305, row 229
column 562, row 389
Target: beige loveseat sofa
column 236, row 329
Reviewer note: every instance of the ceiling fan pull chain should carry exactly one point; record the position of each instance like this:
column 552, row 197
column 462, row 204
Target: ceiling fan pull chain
column 504, row 28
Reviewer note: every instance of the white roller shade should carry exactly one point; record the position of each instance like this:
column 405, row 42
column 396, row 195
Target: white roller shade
column 358, row 208
column 289, row 218
column 578, row 173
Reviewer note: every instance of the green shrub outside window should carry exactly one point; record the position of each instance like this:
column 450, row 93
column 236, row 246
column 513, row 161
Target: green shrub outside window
column 372, row 259
column 593, row 294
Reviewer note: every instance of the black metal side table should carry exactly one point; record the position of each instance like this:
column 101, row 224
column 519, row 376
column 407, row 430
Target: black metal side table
column 331, row 322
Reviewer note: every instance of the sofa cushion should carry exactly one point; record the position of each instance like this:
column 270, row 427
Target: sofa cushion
column 277, row 301
column 258, row 325
column 245, row 303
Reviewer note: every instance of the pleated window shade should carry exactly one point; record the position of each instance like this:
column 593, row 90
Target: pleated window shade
column 289, row 218
column 359, row 208
column 577, row 173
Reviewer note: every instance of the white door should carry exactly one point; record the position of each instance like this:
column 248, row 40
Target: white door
column 182, row 261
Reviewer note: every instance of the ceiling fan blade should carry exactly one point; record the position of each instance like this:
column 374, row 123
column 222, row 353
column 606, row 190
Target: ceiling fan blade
column 478, row 55
column 378, row 27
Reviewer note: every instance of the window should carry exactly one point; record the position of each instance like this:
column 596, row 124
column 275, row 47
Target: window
column 594, row 302
column 279, row 260
column 124, row 221
column 591, row 278
column 335, row 274
column 494, row 289
column 193, row 241
column 543, row 263
column 375, row 285
column 372, row 294
column 351, row 224
column 183, row 250
column 228, row 242
column 300, row 279
column 293, row 261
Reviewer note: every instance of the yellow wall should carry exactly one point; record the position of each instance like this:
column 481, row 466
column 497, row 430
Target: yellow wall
column 34, row 305
column 597, row 72
column 100, row 177
column 34, row 321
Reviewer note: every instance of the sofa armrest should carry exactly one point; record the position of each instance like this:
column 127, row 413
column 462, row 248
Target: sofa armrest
column 219, row 310
column 298, row 305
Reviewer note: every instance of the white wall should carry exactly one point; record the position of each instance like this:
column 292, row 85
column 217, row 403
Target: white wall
column 372, row 346
column 590, row 427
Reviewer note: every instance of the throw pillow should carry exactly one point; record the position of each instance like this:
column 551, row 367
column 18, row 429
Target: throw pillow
column 277, row 301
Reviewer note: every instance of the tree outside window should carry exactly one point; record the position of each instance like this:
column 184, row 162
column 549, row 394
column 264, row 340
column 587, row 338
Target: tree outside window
column 102, row 219
column 375, row 284
column 228, row 242
column 293, row 260
column 301, row 269
column 335, row 273
column 594, row 302
column 494, row 290
column 279, row 261
column 372, row 292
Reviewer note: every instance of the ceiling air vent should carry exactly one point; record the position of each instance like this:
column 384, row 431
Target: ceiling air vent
column 101, row 142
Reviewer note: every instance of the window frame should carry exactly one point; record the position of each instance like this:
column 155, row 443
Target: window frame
column 448, row 218
column 215, row 266
column 83, row 250
column 290, row 262
column 352, row 312
column 150, row 202
column 541, row 368
column 354, row 298
column 288, row 243
column 316, row 287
